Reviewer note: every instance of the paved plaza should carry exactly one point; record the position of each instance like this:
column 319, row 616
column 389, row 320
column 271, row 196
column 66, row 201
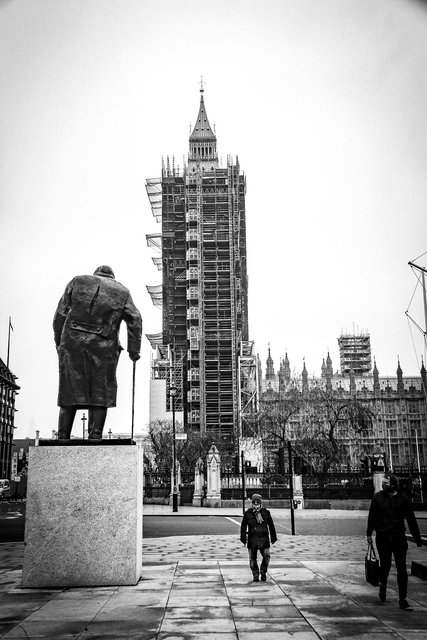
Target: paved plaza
column 200, row 588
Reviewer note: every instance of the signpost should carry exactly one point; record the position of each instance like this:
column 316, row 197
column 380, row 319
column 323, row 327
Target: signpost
column 242, row 458
column 291, row 488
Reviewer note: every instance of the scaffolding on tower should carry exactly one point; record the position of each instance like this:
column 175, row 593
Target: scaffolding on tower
column 153, row 187
column 156, row 293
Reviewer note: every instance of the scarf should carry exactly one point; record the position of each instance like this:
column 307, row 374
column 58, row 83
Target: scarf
column 257, row 511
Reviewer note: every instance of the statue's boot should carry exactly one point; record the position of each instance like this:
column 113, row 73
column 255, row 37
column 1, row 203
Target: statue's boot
column 97, row 416
column 65, row 422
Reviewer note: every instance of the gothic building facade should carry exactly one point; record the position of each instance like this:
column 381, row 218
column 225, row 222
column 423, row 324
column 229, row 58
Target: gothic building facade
column 397, row 405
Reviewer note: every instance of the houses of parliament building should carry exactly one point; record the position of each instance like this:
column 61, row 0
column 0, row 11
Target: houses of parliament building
column 397, row 404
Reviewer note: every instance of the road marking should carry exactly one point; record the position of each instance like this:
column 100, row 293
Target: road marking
column 231, row 520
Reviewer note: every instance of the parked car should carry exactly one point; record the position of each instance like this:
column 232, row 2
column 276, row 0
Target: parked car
column 4, row 489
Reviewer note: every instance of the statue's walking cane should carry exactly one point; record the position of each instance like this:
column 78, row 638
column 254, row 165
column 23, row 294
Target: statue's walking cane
column 133, row 398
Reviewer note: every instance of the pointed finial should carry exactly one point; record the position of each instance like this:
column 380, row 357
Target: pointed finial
column 201, row 84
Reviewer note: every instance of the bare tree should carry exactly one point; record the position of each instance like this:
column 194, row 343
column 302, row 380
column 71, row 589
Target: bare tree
column 274, row 421
column 319, row 422
column 160, row 445
column 330, row 419
column 187, row 451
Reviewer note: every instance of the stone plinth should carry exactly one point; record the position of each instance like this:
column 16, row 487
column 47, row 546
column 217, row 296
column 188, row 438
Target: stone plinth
column 84, row 516
column 213, row 495
column 199, row 481
column 378, row 478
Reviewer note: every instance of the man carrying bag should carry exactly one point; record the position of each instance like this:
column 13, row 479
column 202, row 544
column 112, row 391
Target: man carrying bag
column 387, row 514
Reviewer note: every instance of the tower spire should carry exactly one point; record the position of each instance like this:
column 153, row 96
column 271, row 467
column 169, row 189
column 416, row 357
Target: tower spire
column 270, row 365
column 203, row 152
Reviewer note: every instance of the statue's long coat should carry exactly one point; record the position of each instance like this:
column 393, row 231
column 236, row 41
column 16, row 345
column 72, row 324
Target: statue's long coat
column 86, row 328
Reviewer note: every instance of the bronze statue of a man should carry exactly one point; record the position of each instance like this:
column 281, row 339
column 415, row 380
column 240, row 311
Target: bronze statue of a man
column 86, row 329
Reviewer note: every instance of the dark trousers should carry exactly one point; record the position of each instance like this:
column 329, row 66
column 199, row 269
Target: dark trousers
column 97, row 416
column 396, row 544
column 253, row 563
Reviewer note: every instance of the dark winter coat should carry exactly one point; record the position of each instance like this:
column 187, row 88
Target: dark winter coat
column 86, row 329
column 255, row 534
column 387, row 514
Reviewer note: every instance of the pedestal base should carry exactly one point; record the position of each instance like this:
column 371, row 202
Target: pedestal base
column 84, row 516
column 197, row 500
column 212, row 500
column 377, row 479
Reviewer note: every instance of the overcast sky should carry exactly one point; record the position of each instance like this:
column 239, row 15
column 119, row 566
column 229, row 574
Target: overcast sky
column 324, row 103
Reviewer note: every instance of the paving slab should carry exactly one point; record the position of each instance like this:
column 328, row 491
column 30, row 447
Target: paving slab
column 282, row 611
column 187, row 635
column 284, row 634
column 260, row 625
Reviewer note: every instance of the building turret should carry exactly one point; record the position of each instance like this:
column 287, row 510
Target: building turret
column 281, row 375
column 269, row 373
column 329, row 372
column 203, row 152
column 286, row 369
column 376, row 379
column 323, row 369
column 329, row 369
column 400, row 387
column 304, row 379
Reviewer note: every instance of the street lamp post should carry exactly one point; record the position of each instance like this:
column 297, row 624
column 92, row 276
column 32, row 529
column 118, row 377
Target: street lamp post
column 418, row 464
column 172, row 393
column 389, row 450
column 84, row 424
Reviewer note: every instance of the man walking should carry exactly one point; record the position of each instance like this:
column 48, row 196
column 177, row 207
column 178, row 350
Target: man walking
column 256, row 526
column 86, row 330
column 387, row 514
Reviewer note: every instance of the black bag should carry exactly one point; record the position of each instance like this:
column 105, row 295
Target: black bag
column 372, row 566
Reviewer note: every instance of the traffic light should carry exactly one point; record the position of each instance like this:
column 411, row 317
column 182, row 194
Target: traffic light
column 281, row 454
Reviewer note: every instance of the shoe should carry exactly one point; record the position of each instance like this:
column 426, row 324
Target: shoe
column 256, row 579
column 383, row 592
column 263, row 577
column 403, row 604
